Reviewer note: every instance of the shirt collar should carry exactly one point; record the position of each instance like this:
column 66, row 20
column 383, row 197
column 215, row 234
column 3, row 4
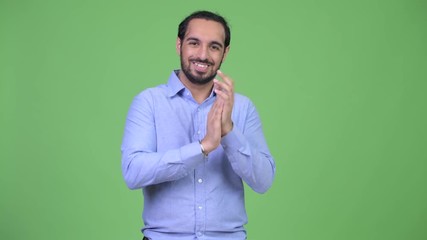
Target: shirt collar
column 174, row 84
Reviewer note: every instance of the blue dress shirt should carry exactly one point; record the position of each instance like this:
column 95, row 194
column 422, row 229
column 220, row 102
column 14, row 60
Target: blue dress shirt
column 187, row 195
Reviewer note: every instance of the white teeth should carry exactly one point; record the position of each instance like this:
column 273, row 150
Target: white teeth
column 201, row 65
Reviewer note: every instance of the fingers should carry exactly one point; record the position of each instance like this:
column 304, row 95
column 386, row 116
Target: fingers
column 226, row 78
column 225, row 86
column 225, row 93
column 216, row 110
column 213, row 131
column 219, row 116
column 222, row 93
column 224, row 89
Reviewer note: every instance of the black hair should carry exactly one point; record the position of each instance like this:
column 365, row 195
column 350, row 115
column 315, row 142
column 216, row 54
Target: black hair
column 182, row 29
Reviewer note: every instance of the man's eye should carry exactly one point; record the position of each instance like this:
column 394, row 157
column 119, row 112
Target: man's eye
column 193, row 43
column 214, row 47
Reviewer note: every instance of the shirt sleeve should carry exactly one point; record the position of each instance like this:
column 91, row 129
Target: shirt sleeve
column 248, row 153
column 142, row 164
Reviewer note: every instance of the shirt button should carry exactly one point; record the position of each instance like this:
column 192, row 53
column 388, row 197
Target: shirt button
column 200, row 180
column 199, row 234
column 200, row 207
column 198, row 132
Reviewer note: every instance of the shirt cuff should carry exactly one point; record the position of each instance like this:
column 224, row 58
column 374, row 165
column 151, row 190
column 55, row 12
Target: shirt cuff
column 191, row 155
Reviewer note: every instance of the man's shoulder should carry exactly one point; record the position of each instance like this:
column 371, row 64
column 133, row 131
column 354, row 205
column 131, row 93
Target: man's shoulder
column 156, row 91
column 241, row 99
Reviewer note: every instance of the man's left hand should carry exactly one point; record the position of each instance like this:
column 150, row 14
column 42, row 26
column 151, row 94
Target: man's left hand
column 225, row 93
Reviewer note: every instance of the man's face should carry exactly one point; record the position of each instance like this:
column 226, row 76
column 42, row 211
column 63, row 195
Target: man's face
column 202, row 50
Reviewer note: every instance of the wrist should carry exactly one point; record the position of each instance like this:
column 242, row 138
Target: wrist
column 202, row 148
column 227, row 129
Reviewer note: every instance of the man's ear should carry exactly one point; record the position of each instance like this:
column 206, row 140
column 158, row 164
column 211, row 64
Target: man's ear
column 225, row 53
column 178, row 46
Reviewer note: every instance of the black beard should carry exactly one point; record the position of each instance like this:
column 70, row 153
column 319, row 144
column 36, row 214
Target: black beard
column 197, row 79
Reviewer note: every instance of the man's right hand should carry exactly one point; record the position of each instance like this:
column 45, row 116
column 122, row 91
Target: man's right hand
column 213, row 129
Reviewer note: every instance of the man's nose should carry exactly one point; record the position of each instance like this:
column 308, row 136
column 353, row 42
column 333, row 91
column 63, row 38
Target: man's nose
column 203, row 52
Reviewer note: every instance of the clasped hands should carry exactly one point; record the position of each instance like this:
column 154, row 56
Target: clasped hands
column 219, row 121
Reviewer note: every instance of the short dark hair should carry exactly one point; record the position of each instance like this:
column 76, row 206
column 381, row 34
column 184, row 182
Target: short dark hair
column 182, row 29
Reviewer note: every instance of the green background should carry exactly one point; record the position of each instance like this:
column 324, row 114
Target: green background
column 340, row 87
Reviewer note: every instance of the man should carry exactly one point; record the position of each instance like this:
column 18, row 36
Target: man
column 190, row 144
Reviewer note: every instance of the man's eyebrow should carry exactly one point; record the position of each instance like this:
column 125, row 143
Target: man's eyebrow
column 192, row 39
column 217, row 43
column 196, row 39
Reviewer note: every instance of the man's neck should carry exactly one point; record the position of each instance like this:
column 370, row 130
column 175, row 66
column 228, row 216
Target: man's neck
column 200, row 92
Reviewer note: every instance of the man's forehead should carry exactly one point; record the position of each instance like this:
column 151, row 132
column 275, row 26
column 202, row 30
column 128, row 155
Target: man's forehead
column 201, row 28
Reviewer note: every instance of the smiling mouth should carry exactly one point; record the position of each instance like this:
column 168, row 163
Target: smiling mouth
column 200, row 66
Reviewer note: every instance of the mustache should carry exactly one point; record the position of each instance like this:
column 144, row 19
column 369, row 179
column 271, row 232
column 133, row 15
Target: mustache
column 201, row 61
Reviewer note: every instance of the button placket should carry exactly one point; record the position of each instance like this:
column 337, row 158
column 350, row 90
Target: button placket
column 200, row 194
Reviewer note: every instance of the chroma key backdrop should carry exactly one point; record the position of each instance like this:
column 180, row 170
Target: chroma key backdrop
column 340, row 87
